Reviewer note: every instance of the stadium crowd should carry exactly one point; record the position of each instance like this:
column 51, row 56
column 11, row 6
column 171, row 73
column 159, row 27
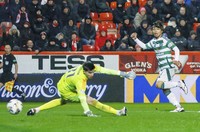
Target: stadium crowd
column 105, row 25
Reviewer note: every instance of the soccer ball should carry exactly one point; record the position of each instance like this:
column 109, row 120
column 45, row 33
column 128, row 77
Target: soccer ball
column 14, row 106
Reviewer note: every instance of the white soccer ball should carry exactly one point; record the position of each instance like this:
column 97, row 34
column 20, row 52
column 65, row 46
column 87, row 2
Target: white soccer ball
column 14, row 106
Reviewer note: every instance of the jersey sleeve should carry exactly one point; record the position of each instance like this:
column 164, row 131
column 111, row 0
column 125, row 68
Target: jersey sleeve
column 80, row 88
column 14, row 59
column 103, row 70
column 170, row 44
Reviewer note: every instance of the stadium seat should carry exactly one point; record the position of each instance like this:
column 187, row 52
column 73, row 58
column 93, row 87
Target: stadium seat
column 113, row 5
column 195, row 25
column 127, row 5
column 94, row 16
column 96, row 24
column 108, row 24
column 106, row 16
column 142, row 3
column 88, row 48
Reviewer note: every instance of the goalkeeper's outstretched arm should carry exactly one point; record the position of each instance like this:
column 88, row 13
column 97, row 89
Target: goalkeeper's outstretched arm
column 128, row 75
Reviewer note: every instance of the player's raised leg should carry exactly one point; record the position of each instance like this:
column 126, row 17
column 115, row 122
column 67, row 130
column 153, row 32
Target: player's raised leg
column 48, row 105
column 106, row 108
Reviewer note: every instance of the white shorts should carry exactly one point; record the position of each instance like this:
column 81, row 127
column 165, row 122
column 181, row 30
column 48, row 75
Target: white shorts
column 166, row 75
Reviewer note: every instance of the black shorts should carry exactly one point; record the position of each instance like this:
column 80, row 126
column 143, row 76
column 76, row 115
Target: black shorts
column 5, row 77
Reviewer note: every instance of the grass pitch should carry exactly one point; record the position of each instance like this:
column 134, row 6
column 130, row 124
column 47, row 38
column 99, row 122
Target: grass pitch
column 69, row 118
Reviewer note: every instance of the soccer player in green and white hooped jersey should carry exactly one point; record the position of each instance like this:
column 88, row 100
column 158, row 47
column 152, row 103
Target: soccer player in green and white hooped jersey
column 167, row 66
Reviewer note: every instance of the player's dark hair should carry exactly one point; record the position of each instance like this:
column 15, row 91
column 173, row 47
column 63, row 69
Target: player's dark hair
column 88, row 66
column 159, row 24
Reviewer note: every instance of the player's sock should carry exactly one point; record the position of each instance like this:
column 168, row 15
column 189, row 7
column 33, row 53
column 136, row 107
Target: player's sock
column 172, row 99
column 19, row 92
column 168, row 85
column 50, row 104
column 104, row 107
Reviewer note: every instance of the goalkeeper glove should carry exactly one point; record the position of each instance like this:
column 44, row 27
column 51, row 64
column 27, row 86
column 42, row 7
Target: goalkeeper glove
column 128, row 75
column 89, row 114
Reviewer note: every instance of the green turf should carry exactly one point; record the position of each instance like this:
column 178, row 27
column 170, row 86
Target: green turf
column 69, row 118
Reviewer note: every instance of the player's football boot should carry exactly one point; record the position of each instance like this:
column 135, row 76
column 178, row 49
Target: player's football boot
column 31, row 112
column 123, row 112
column 178, row 109
column 183, row 86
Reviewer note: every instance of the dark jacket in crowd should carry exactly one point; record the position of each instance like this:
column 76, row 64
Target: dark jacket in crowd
column 87, row 31
column 180, row 42
column 82, row 10
column 167, row 9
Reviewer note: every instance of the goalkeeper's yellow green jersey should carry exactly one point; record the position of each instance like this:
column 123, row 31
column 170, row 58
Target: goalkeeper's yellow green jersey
column 76, row 80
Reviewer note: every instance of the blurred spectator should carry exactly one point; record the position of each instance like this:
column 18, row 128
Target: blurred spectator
column 146, row 38
column 138, row 48
column 60, row 4
column 67, row 14
column 40, row 26
column 107, row 46
column 5, row 13
column 181, row 3
column 82, row 9
column 149, row 6
column 125, row 28
column 154, row 15
column 42, row 42
column 193, row 42
column 54, row 27
column 13, row 38
column 91, row 4
column 38, row 12
column 15, row 6
column 22, row 17
column 101, row 6
column 140, row 16
column 74, row 42
column 50, row 11
column 62, row 42
column 69, row 28
column 170, row 29
column 142, row 30
column 132, row 10
column 167, row 10
column 64, row 45
column 195, row 10
column 182, row 14
column 179, row 40
column 52, row 45
column 87, row 32
column 101, row 38
column 60, row 37
column 32, row 8
column 119, row 12
column 26, row 32
column 30, row 46
column 184, row 27
column 124, row 46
